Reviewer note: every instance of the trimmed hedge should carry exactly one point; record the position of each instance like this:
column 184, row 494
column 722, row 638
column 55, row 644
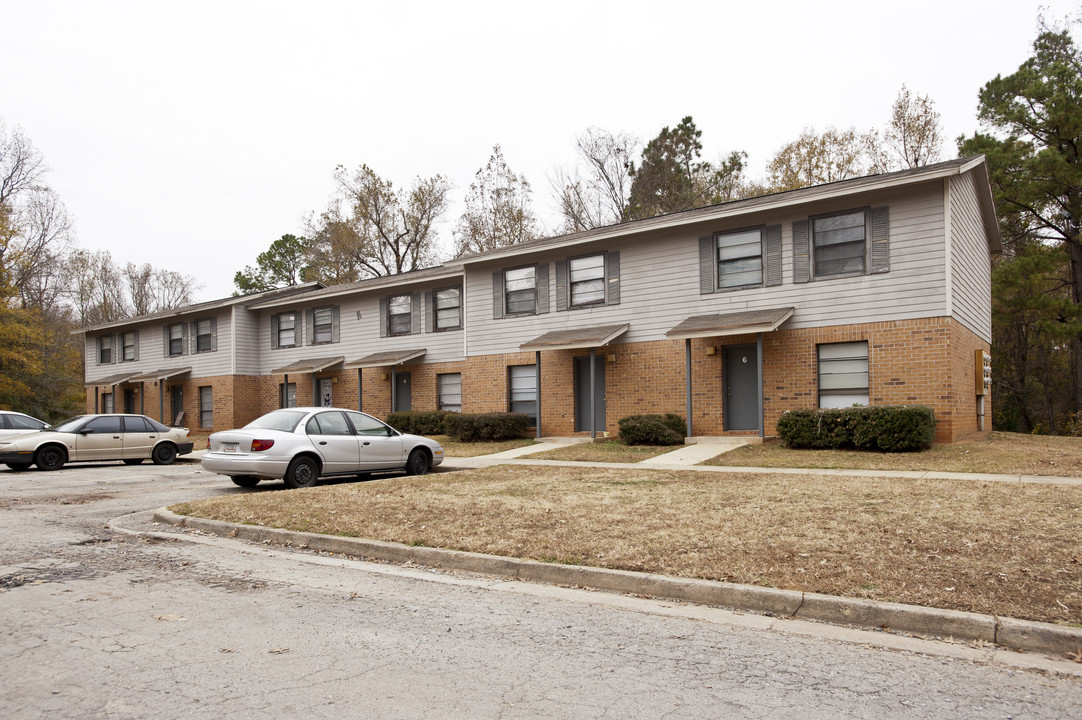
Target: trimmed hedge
column 483, row 427
column 667, row 429
column 419, row 422
column 890, row 428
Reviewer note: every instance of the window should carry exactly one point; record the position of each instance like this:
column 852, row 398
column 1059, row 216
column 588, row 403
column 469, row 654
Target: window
column 587, row 280
column 366, row 425
column 287, row 395
column 204, row 335
column 22, row 422
column 323, row 325
column 137, row 423
column 520, row 291
column 107, row 402
column 328, row 423
column 523, row 391
column 843, row 374
column 449, row 387
column 128, row 347
column 400, row 315
column 839, row 243
column 105, row 349
column 285, row 329
column 175, row 339
column 104, row 426
column 740, row 258
column 448, row 309
column 206, row 407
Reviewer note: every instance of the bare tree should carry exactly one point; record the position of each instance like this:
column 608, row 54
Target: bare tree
column 596, row 192
column 914, row 134
column 21, row 165
column 497, row 209
column 817, row 158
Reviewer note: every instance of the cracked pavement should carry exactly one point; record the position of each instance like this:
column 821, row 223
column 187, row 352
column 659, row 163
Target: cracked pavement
column 173, row 623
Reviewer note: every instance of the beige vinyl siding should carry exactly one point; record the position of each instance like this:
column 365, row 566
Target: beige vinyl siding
column 970, row 265
column 660, row 281
column 251, row 346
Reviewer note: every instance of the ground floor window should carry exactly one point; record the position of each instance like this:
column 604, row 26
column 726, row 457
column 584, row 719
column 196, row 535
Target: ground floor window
column 206, row 407
column 523, row 390
column 287, row 395
column 449, row 386
column 843, row 374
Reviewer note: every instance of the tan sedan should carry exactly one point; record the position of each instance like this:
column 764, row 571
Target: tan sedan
column 131, row 438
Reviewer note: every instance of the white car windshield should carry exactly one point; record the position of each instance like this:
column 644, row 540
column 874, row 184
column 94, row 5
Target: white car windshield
column 284, row 420
column 70, row 425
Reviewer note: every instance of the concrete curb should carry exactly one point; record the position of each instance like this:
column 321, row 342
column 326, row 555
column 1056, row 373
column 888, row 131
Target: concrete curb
column 1053, row 640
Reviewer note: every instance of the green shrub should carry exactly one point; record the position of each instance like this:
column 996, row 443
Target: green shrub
column 419, row 422
column 667, row 429
column 890, row 428
column 484, row 427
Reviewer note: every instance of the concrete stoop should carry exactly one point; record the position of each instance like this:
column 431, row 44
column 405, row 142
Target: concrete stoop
column 1059, row 642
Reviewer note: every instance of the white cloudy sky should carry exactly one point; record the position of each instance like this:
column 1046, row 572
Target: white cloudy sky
column 193, row 134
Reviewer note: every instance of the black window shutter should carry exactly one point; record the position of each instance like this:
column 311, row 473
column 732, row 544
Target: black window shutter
column 542, row 280
column 309, row 326
column 707, row 264
column 430, row 316
column 772, row 255
column 612, row 277
column 562, row 291
column 165, row 341
column 214, row 333
column 801, row 259
column 497, row 295
column 415, row 313
column 880, row 235
column 274, row 332
column 97, row 344
column 383, row 317
column 136, row 340
column 336, row 323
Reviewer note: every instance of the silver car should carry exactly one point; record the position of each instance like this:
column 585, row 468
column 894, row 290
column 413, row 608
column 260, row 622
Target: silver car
column 15, row 423
column 301, row 445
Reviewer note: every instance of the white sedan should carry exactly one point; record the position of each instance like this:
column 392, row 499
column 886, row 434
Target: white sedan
column 301, row 445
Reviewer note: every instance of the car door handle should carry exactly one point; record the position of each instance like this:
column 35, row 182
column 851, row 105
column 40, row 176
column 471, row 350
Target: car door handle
column 322, row 442
column 366, row 442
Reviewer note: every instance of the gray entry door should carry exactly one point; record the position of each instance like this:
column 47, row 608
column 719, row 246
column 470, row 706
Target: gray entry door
column 403, row 398
column 740, row 378
column 582, row 394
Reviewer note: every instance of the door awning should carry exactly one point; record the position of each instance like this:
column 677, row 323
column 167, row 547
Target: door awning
column 574, row 339
column 387, row 358
column 111, row 380
column 312, row 365
column 160, row 374
column 734, row 323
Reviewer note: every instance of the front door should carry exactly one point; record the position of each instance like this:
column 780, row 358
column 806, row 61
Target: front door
column 403, row 399
column 177, row 392
column 741, row 382
column 324, row 391
column 582, row 394
column 129, row 400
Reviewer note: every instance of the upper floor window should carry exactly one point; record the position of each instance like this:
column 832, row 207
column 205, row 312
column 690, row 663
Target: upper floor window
column 740, row 258
column 838, row 243
column 284, row 329
column 520, row 291
column 587, row 280
column 105, row 349
column 843, row 374
column 204, row 335
column 128, row 347
column 175, row 339
column 448, row 309
column 400, row 314
column 322, row 325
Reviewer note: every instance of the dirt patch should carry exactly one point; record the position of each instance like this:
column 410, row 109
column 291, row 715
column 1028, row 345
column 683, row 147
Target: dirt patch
column 1003, row 549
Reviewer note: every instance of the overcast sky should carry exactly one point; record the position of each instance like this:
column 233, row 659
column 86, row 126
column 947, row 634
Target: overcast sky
column 191, row 135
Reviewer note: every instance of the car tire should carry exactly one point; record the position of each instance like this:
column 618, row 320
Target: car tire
column 19, row 467
column 132, row 461
column 50, row 457
column 303, row 472
column 246, row 481
column 164, row 454
column 418, row 462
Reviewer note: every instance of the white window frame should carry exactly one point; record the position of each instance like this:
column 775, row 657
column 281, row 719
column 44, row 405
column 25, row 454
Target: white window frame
column 843, row 374
column 732, row 257
column 522, row 390
column 206, row 406
column 440, row 324
column 176, row 335
column 105, row 343
column 292, row 330
column 583, row 271
column 322, row 332
column 839, row 237
column 449, row 391
column 125, row 346
column 199, row 335
column 512, row 276
column 404, row 300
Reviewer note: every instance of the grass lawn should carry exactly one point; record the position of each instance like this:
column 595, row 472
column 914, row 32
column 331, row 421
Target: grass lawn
column 1010, row 453
column 452, row 448
column 1007, row 549
column 609, row 451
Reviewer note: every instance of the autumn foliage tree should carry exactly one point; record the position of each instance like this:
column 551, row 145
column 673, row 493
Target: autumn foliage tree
column 498, row 209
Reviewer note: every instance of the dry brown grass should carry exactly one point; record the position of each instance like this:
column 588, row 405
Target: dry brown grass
column 1004, row 549
column 1009, row 453
column 612, row 451
column 452, row 448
